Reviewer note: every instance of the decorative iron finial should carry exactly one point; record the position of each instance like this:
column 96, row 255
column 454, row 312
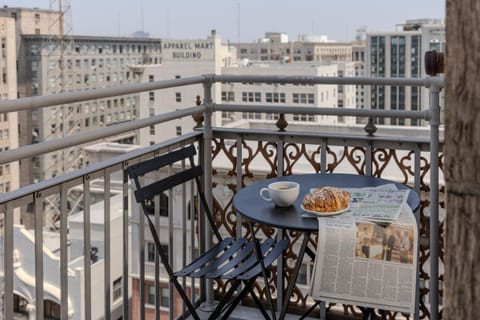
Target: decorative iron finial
column 198, row 117
column 370, row 127
column 281, row 123
column 434, row 62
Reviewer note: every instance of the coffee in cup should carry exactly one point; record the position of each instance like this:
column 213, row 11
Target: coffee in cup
column 282, row 193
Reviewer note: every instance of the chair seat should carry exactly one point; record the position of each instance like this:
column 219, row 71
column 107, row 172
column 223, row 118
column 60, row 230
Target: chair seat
column 233, row 259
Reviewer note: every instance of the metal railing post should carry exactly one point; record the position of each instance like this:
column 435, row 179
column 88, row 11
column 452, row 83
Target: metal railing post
column 434, row 91
column 207, row 163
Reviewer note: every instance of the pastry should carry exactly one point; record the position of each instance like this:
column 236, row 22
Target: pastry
column 326, row 199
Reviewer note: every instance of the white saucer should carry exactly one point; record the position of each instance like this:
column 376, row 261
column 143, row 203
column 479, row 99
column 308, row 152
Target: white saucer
column 325, row 214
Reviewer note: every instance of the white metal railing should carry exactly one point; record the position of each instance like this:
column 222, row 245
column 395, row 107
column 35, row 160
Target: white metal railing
column 37, row 192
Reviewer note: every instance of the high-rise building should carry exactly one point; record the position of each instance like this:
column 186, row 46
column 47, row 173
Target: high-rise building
column 23, row 21
column 399, row 54
column 9, row 173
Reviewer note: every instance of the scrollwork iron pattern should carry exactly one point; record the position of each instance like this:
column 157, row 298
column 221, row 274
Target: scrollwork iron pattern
column 259, row 160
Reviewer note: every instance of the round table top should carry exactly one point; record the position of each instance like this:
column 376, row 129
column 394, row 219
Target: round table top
column 249, row 204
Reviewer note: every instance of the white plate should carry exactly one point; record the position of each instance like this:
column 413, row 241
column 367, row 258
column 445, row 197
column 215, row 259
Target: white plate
column 325, row 214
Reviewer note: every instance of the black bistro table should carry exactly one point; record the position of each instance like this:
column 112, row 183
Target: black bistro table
column 249, row 204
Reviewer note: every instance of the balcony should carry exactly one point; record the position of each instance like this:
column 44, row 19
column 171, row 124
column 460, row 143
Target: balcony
column 87, row 255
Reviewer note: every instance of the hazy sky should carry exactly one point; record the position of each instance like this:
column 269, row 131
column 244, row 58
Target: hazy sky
column 246, row 20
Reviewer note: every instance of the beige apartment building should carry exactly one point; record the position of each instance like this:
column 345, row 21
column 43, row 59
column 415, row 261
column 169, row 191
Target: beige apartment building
column 9, row 173
column 50, row 62
column 276, row 46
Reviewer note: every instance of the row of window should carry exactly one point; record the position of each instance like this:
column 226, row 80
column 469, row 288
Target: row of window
column 271, row 116
column 97, row 48
column 3, row 60
column 271, row 97
column 297, row 51
column 178, row 96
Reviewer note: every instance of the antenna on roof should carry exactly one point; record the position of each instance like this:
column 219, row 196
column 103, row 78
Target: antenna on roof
column 141, row 17
column 238, row 18
column 168, row 22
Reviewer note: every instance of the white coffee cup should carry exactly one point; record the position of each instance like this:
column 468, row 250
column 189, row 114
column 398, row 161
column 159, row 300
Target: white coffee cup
column 282, row 193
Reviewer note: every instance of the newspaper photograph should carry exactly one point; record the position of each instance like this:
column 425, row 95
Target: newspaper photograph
column 368, row 264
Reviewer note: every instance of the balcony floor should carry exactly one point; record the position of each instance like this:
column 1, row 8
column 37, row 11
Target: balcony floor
column 248, row 313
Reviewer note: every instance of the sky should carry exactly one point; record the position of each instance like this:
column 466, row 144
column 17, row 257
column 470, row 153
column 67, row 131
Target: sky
column 235, row 20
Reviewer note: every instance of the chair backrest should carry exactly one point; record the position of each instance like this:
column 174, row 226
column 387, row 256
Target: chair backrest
column 144, row 194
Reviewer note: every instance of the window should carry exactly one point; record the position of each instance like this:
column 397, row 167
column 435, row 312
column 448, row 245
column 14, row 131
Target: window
column 229, row 96
column 164, row 298
column 150, row 78
column 51, row 310
column 152, row 251
column 165, row 301
column 178, row 97
column 268, row 97
column 151, row 96
column 117, row 289
column 152, row 130
column 304, row 98
column 151, row 294
column 178, row 130
column 20, row 304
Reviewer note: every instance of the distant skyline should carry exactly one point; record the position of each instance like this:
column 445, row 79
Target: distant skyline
column 246, row 20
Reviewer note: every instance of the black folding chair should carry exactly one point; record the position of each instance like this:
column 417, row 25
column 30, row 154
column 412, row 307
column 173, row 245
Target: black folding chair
column 241, row 260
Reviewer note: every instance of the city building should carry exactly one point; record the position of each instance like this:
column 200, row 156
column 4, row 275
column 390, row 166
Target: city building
column 24, row 267
column 15, row 23
column 326, row 96
column 399, row 54
column 181, row 58
column 276, row 46
column 189, row 57
column 90, row 62
column 9, row 173
column 358, row 57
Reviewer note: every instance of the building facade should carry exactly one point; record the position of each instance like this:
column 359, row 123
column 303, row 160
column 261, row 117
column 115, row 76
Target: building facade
column 400, row 54
column 181, row 58
column 22, row 21
column 9, row 173
column 276, row 46
column 326, row 96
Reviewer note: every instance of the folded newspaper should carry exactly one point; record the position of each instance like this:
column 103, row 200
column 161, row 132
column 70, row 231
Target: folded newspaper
column 365, row 263
column 382, row 204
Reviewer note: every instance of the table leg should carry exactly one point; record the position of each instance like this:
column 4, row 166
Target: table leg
column 280, row 272
column 293, row 278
